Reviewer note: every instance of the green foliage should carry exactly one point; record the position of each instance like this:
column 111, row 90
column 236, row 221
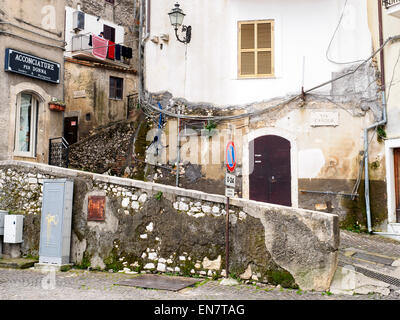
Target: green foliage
column 354, row 228
column 211, row 125
column 282, row 277
column 299, row 292
column 158, row 196
column 381, row 133
column 85, row 263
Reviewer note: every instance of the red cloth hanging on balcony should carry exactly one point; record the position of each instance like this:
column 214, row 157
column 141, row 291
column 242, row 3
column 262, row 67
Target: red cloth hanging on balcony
column 111, row 50
column 100, row 47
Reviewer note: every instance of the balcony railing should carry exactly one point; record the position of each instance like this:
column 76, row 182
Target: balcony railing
column 59, row 152
column 81, row 43
column 82, row 50
column 389, row 3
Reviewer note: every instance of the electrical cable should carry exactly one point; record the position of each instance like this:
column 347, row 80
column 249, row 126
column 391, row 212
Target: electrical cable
column 391, row 81
column 333, row 37
column 122, row 43
column 285, row 102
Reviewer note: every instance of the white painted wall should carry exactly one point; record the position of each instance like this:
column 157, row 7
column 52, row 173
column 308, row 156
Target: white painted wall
column 206, row 70
column 91, row 26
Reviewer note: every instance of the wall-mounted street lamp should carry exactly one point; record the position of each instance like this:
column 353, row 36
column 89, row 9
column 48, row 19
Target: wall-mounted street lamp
column 176, row 16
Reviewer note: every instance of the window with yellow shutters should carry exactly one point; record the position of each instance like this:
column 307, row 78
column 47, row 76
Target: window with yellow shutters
column 256, row 49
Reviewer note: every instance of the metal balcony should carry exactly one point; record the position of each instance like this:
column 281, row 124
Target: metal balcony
column 82, row 50
column 393, row 7
column 389, row 3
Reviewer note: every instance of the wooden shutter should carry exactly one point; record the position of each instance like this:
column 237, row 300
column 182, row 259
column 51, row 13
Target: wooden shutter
column 256, row 58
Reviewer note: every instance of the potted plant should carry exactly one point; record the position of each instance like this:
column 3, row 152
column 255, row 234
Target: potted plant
column 57, row 105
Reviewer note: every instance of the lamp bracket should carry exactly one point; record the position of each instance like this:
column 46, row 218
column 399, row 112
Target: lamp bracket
column 188, row 34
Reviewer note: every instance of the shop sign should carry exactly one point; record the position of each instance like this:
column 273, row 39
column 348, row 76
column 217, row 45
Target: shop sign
column 31, row 66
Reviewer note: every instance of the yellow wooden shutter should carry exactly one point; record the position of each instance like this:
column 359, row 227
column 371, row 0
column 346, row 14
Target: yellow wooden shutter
column 256, row 49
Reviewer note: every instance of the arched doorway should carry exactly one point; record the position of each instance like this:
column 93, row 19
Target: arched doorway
column 270, row 174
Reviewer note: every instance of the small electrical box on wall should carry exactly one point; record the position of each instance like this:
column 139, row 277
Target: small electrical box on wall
column 13, row 227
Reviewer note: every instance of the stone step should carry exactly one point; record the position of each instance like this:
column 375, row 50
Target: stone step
column 372, row 258
column 372, row 265
column 17, row 263
column 393, row 280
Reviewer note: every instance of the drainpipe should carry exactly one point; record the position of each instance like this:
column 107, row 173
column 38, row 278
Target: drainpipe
column 142, row 40
column 140, row 49
column 366, row 145
column 382, row 122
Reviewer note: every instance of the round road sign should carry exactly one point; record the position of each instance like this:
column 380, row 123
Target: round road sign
column 230, row 156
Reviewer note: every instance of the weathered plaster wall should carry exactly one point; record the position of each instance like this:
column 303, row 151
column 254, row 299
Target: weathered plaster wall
column 45, row 26
column 155, row 228
column 324, row 158
column 215, row 45
column 87, row 93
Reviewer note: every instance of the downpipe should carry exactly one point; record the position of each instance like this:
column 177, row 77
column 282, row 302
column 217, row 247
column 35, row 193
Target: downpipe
column 366, row 147
column 375, row 125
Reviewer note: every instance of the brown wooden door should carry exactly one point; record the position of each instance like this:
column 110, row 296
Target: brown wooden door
column 270, row 180
column 71, row 129
column 396, row 154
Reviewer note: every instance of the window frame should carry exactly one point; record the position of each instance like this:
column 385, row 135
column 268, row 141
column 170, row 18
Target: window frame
column 33, row 127
column 256, row 49
column 109, row 32
column 113, row 89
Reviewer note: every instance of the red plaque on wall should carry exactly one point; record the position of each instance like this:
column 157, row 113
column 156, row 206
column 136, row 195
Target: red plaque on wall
column 96, row 208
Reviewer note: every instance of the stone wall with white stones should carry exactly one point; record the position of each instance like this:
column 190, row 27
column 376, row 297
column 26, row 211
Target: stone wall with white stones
column 151, row 228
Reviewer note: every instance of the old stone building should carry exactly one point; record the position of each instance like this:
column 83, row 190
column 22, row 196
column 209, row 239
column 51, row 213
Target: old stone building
column 31, row 77
column 295, row 97
column 100, row 90
column 385, row 22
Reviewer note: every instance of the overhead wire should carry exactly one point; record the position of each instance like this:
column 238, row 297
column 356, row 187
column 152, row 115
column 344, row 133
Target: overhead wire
column 333, row 37
column 284, row 102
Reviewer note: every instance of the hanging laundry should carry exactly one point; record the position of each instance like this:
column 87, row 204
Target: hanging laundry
column 100, row 47
column 117, row 52
column 123, row 51
column 127, row 52
column 111, row 50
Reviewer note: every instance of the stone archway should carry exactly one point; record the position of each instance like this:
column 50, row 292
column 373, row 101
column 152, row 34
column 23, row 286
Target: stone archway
column 248, row 165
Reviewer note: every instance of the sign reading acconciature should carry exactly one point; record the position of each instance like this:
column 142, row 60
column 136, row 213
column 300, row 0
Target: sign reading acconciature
column 31, row 66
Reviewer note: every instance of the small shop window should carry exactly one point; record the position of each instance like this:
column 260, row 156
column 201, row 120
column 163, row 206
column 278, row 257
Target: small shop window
column 116, row 88
column 26, row 125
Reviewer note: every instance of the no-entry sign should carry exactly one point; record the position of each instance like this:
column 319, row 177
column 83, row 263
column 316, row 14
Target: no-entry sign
column 230, row 159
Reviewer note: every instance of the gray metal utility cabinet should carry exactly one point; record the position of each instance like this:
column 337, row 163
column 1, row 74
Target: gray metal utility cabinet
column 2, row 214
column 55, row 228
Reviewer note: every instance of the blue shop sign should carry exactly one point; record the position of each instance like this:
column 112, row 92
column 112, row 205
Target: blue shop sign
column 31, row 66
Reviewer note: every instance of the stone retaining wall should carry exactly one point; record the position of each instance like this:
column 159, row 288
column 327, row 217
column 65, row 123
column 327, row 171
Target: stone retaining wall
column 150, row 227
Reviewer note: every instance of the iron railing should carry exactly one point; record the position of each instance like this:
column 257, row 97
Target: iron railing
column 81, row 43
column 59, row 152
column 389, row 3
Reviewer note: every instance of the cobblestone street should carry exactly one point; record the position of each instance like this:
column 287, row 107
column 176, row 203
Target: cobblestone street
column 30, row 284
column 85, row 285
